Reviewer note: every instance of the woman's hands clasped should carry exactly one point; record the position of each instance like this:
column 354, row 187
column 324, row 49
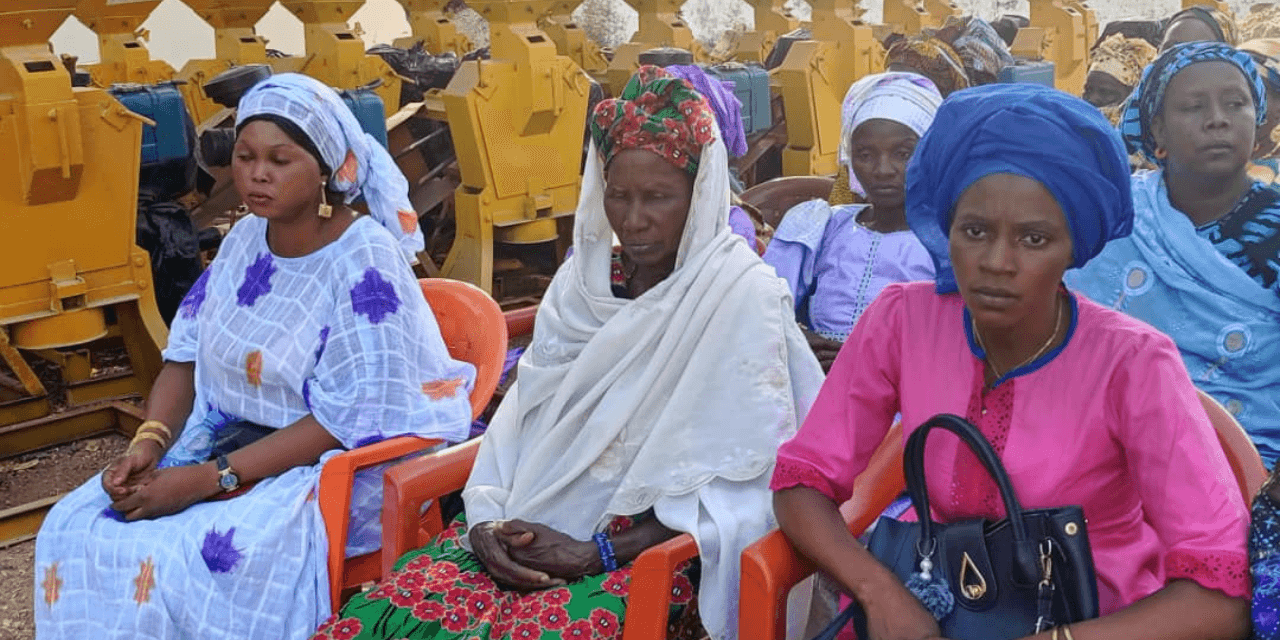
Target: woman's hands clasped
column 529, row 556
column 139, row 490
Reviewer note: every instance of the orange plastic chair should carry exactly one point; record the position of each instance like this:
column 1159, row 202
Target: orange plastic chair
column 409, row 485
column 474, row 331
column 771, row 567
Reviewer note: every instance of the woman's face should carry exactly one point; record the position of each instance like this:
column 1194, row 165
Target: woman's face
column 1010, row 245
column 274, row 176
column 646, row 200
column 1208, row 121
column 879, row 152
column 1187, row 29
column 1102, row 89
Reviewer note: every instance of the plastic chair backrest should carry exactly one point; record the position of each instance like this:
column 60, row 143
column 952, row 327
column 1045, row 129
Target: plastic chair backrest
column 473, row 329
column 775, row 197
column 1242, row 455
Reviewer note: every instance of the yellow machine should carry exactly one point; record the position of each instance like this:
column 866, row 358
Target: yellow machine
column 813, row 80
column 570, row 39
column 124, row 56
column 772, row 20
column 910, row 17
column 335, row 55
column 660, row 26
column 517, row 124
column 235, row 43
column 1220, row 5
column 433, row 28
column 1061, row 31
column 72, row 283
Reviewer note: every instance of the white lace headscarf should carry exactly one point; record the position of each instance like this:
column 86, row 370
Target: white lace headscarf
column 361, row 166
column 675, row 401
column 906, row 98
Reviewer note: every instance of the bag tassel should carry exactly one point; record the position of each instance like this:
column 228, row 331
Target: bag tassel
column 931, row 590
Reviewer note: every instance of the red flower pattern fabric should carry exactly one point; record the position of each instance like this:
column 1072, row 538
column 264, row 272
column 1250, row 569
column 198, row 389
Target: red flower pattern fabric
column 656, row 112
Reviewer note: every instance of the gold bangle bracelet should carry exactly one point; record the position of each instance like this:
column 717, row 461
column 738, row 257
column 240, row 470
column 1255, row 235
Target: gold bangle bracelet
column 149, row 435
column 156, row 424
column 1066, row 632
column 1054, row 634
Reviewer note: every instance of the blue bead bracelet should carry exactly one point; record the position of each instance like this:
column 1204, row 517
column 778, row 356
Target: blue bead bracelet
column 605, row 546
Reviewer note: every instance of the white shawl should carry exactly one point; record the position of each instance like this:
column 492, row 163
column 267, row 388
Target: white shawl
column 675, row 401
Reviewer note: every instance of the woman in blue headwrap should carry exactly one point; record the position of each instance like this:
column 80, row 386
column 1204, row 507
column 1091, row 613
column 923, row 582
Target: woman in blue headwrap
column 307, row 335
column 1013, row 185
column 1201, row 264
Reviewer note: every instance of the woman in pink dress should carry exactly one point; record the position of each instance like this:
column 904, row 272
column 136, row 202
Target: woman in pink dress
column 1013, row 185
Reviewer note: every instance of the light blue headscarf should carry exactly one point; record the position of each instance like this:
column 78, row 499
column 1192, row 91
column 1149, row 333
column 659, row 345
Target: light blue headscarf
column 361, row 166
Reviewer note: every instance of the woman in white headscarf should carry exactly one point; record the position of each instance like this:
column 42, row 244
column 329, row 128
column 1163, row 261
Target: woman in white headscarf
column 660, row 381
column 837, row 257
column 308, row 334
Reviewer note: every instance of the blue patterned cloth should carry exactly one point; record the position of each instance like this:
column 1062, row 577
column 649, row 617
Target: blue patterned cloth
column 1225, row 321
column 1147, row 98
column 1264, row 564
column 343, row 334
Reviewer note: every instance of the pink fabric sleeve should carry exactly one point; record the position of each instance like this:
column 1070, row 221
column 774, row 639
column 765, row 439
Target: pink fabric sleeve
column 1188, row 492
column 854, row 409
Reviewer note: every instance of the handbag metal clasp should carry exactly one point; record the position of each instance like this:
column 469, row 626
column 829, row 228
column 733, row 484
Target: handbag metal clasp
column 973, row 590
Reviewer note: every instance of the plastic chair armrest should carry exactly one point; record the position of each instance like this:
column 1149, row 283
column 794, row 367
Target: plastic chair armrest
column 652, row 575
column 520, row 321
column 409, row 485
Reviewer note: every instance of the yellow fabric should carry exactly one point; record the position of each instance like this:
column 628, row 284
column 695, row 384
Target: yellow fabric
column 1123, row 58
column 840, row 191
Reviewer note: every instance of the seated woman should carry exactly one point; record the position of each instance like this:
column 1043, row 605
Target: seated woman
column 1011, row 186
column 836, row 259
column 1200, row 24
column 1266, row 151
column 1115, row 68
column 628, row 422
column 309, row 330
column 1201, row 264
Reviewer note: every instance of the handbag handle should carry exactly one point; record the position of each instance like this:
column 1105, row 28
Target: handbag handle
column 1025, row 551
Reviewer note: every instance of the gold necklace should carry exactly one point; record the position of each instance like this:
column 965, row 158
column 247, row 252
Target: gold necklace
column 1057, row 326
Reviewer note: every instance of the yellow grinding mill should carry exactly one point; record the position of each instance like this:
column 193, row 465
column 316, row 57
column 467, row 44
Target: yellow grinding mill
column 1062, row 32
column 71, row 279
column 570, row 39
column 335, row 55
column 433, row 28
column 910, row 17
column 771, row 21
column 517, row 122
column 124, row 56
column 235, row 43
column 660, row 26
column 813, row 80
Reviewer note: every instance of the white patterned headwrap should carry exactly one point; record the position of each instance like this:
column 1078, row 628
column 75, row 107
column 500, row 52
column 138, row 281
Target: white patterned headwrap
column 361, row 166
column 906, row 98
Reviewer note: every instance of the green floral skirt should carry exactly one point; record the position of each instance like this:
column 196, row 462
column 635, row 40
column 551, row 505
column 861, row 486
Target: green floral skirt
column 442, row 592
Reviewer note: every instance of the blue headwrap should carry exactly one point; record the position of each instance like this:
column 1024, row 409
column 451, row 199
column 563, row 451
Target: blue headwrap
column 1026, row 130
column 1148, row 97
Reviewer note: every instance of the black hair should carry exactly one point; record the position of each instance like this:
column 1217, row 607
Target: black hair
column 295, row 133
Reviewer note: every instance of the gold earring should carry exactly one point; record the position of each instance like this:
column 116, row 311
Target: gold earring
column 326, row 209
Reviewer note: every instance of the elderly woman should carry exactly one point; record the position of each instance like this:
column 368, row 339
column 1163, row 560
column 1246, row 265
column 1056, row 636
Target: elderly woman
column 1114, row 70
column 1011, row 186
column 628, row 422
column 307, row 335
column 1200, row 24
column 1201, row 263
column 836, row 259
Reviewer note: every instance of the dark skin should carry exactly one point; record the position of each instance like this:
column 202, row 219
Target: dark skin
column 647, row 202
column 1010, row 245
column 1187, row 29
column 1102, row 89
column 281, row 182
column 879, row 152
column 1207, row 126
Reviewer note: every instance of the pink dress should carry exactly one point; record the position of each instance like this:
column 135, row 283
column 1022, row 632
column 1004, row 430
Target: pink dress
column 1110, row 422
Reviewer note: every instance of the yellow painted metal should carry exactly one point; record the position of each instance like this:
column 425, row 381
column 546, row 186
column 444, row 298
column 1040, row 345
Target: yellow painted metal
column 570, row 39
column 122, row 42
column 813, row 79
column 68, row 189
column 516, row 122
column 1065, row 29
column 771, row 21
column 1220, row 5
column 432, row 26
column 335, row 54
column 660, row 26
column 235, row 43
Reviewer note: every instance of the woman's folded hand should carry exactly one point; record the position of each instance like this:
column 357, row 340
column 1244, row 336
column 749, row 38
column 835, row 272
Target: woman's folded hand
column 492, row 543
column 168, row 491
column 545, row 549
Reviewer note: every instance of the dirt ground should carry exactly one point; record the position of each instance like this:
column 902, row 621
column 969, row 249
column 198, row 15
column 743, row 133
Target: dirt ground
column 31, row 477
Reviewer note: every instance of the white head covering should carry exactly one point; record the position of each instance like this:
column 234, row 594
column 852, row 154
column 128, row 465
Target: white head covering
column 675, row 401
column 906, row 98
column 361, row 166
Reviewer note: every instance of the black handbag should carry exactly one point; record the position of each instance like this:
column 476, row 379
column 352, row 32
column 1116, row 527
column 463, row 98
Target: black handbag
column 984, row 580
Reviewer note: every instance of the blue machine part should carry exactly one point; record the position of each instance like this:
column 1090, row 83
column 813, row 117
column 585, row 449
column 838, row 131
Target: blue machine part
column 368, row 108
column 751, row 86
column 1037, row 72
column 173, row 136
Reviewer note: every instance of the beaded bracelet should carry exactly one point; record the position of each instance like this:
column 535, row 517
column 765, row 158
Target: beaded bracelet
column 605, row 546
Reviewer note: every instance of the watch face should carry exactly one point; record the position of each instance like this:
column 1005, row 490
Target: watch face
column 228, row 481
